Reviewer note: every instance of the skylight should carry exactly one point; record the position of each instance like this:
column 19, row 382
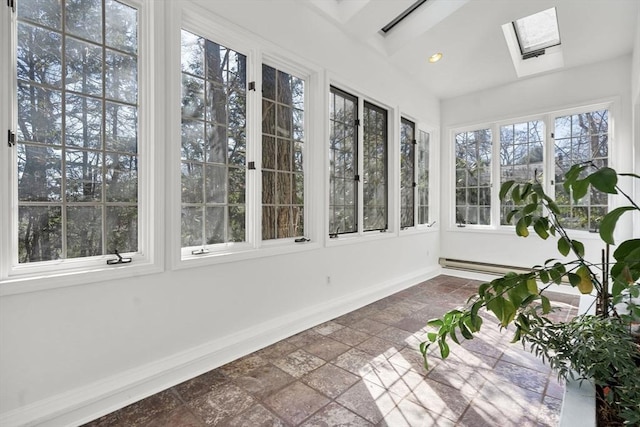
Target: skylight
column 537, row 32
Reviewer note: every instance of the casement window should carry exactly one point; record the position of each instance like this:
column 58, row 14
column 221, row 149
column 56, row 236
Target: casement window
column 77, row 145
column 282, row 154
column 407, row 172
column 243, row 145
column 422, row 165
column 540, row 149
column 580, row 138
column 343, row 162
column 213, row 143
column 374, row 167
column 521, row 156
column 473, row 177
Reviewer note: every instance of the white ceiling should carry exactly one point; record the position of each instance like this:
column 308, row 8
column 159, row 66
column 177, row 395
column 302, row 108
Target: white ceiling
column 469, row 34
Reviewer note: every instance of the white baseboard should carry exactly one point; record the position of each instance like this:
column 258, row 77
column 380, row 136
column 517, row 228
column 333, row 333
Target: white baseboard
column 89, row 402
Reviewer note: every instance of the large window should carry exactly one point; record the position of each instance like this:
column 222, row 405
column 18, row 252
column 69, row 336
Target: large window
column 282, row 154
column 407, row 172
column 521, row 156
column 374, row 186
column 213, row 143
column 473, row 177
column 77, row 129
column 343, row 157
column 540, row 149
column 581, row 138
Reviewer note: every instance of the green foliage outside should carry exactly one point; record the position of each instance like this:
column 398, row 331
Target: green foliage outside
column 601, row 347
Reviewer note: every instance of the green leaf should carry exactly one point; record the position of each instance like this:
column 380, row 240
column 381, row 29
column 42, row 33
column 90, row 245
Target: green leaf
column 626, row 248
column 531, row 207
column 435, row 322
column 540, row 227
column 515, row 194
column 521, row 227
column 444, row 349
column 466, row 333
column 431, row 336
column 544, row 276
column 608, row 223
column 605, row 180
column 504, row 189
column 509, row 313
column 580, row 188
column 578, row 247
column 546, row 304
column 532, row 286
column 574, row 279
column 563, row 246
column 586, row 285
column 553, row 207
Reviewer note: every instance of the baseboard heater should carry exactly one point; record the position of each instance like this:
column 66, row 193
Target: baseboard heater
column 481, row 267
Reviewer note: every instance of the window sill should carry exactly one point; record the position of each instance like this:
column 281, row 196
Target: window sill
column 26, row 282
column 275, row 248
column 510, row 230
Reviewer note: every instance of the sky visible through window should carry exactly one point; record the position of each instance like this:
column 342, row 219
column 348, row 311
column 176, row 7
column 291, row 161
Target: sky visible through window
column 538, row 31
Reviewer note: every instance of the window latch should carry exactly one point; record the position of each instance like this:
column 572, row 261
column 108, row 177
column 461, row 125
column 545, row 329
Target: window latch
column 11, row 138
column 12, row 5
column 119, row 260
column 302, row 240
column 201, row 251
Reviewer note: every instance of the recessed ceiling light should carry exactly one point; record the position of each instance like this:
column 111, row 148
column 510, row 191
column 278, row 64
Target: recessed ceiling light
column 435, row 57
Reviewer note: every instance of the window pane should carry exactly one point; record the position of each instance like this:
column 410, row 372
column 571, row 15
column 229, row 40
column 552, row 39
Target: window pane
column 39, row 55
column 121, row 132
column 342, row 156
column 407, row 172
column 214, row 142
column 122, row 229
column 521, row 157
column 83, row 122
column 374, row 185
column 282, row 191
column 581, row 139
column 83, row 175
column 84, row 231
column 39, row 115
column 423, row 177
column 473, row 177
column 121, row 76
column 39, row 173
column 121, row 178
column 39, row 233
column 84, row 19
column 43, row 12
column 121, row 23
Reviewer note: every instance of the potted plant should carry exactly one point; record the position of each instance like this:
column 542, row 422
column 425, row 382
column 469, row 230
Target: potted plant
column 602, row 345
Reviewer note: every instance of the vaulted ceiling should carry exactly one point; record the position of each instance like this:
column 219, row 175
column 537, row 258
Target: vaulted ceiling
column 470, row 36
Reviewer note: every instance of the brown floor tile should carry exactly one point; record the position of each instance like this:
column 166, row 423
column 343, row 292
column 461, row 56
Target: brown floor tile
column 200, row 385
column 376, row 346
column 299, row 363
column 181, row 416
column 355, row 361
column 525, row 378
column 330, row 380
column 327, row 348
column 256, row 416
column 223, row 403
column 410, row 414
column 368, row 400
column 328, row 327
column 369, row 326
column 348, row 336
column 143, row 411
column 263, row 381
column 304, row 338
column 277, row 350
column 336, row 415
column 439, row 399
column 296, row 402
column 549, row 415
column 240, row 367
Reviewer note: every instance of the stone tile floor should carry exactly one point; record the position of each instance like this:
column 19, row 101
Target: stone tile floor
column 364, row 369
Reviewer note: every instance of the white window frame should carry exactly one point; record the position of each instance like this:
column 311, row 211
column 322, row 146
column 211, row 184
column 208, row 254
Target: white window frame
column 548, row 118
column 27, row 277
column 393, row 159
column 200, row 21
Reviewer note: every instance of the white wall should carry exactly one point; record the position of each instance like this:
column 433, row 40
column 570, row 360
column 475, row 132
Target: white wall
column 71, row 354
column 550, row 92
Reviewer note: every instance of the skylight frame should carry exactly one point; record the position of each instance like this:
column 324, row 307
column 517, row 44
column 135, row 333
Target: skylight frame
column 538, row 32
